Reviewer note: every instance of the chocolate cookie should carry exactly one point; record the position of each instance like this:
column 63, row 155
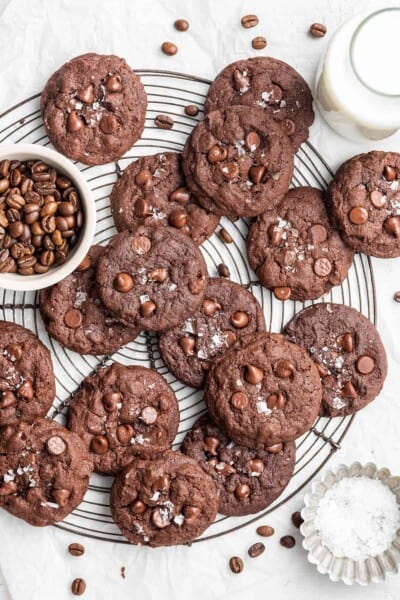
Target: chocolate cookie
column 248, row 480
column 294, row 249
column 348, row 352
column 27, row 385
column 121, row 412
column 228, row 312
column 365, row 201
column 264, row 391
column 165, row 501
column 152, row 278
column 94, row 108
column 152, row 190
column 74, row 315
column 44, row 471
column 238, row 162
column 268, row 83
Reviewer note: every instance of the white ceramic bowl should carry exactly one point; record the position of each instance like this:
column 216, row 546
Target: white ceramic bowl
column 372, row 570
column 14, row 281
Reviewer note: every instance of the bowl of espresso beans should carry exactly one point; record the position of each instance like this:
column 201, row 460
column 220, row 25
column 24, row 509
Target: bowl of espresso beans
column 47, row 217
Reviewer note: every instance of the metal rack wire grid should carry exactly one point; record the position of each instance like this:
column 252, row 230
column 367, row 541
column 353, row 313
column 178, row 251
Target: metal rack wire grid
column 169, row 93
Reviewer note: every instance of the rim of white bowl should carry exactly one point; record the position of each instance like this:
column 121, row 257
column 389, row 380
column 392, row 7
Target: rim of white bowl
column 25, row 283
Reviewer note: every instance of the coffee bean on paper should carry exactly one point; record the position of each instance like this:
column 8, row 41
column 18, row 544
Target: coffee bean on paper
column 78, row 587
column 191, row 110
column 249, row 21
column 287, row 541
column 259, row 42
column 236, row 564
column 256, row 549
column 297, row 519
column 181, row 25
column 225, row 236
column 265, row 530
column 164, row 122
column 223, row 270
column 396, row 296
column 318, row 30
column 169, row 48
column 76, row 549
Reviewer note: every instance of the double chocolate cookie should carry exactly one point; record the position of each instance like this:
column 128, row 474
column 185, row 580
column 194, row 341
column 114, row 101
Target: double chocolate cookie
column 74, row 315
column 228, row 312
column 268, row 83
column 365, row 202
column 152, row 190
column 238, row 162
column 44, row 471
column 153, row 278
column 348, row 352
column 27, row 385
column 248, row 480
column 165, row 501
column 294, row 249
column 94, row 108
column 121, row 412
column 264, row 391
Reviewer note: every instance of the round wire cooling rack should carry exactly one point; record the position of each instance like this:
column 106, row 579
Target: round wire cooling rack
column 168, row 93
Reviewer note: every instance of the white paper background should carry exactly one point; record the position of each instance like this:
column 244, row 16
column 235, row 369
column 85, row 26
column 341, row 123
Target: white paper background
column 35, row 39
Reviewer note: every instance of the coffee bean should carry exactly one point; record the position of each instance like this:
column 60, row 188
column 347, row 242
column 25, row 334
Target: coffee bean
column 149, row 415
column 242, row 491
column 322, row 267
column 396, row 296
column 253, row 374
column 297, row 519
column 181, row 25
column 259, row 42
column 76, row 549
column 164, row 122
column 210, row 307
column 99, row 444
column 265, row 530
column 147, row 308
column 124, row 434
column 73, row 318
column 282, row 293
column 240, row 319
column 287, row 541
column 358, row 215
column 377, row 199
column 256, row 550
column 284, row 369
column 181, row 195
column 187, row 344
column 389, row 173
column 249, row 21
column 239, row 400
column 365, row 364
column 223, row 270
column 178, row 218
column 191, row 110
column 236, row 564
column 317, row 30
column 16, row 229
column 114, row 84
column 66, row 209
column 392, row 226
column 123, row 283
column 78, row 587
column 256, row 174
column 4, row 185
column 348, row 390
column 225, row 236
column 169, row 48
column 56, row 445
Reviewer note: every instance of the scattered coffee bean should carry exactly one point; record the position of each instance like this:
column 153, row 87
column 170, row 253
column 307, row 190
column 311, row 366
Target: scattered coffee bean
column 78, row 587
column 164, row 122
column 259, row 42
column 225, row 236
column 317, row 30
column 169, row 48
column 249, row 21
column 256, row 550
column 38, row 213
column 236, row 564
column 287, row 541
column 181, row 25
column 396, row 296
column 297, row 519
column 76, row 549
column 191, row 110
column 265, row 530
column 123, row 572
column 223, row 271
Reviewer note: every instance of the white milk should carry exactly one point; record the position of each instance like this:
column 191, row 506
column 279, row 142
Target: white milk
column 358, row 82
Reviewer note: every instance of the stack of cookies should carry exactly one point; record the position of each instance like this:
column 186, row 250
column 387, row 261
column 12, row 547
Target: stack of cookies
column 262, row 390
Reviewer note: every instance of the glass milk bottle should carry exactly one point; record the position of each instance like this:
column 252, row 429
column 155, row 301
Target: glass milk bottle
column 358, row 83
